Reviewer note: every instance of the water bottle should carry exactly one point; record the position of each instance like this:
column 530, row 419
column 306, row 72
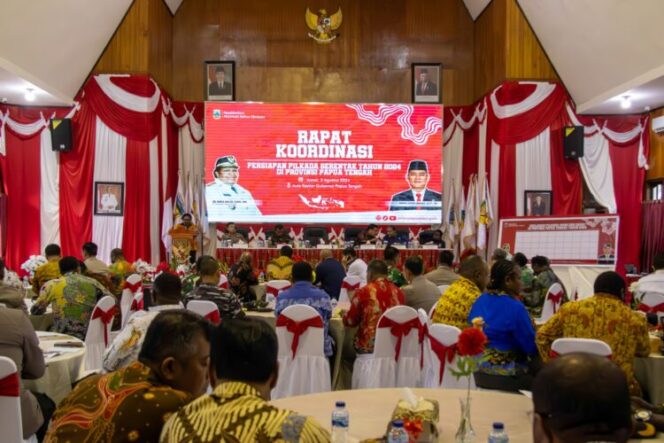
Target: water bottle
column 498, row 435
column 340, row 423
column 397, row 433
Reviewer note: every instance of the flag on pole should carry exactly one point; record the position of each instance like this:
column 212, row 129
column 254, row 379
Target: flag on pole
column 468, row 233
column 205, row 225
column 451, row 219
column 179, row 204
column 485, row 216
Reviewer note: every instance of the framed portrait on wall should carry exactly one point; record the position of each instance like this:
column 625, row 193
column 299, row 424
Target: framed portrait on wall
column 537, row 203
column 220, row 80
column 109, row 199
column 426, row 82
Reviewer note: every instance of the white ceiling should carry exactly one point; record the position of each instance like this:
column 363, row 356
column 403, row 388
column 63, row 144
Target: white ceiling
column 173, row 5
column 475, row 7
column 13, row 89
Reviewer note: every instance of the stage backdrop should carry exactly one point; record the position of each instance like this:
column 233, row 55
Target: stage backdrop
column 323, row 163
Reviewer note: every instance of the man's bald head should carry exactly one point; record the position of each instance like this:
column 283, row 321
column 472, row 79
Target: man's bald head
column 579, row 398
column 325, row 254
column 474, row 269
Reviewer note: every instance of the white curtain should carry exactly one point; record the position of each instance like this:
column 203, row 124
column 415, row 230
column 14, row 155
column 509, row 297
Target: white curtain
column 452, row 162
column 533, row 167
column 125, row 98
column 110, row 164
column 155, row 197
column 541, row 93
column 495, row 172
column 49, row 206
column 597, row 170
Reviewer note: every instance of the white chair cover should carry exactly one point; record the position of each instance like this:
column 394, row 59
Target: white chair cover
column 308, row 371
column 350, row 284
column 552, row 302
column 272, row 290
column 10, row 402
column 133, row 285
column 562, row 346
column 444, row 338
column 136, row 305
column 223, row 281
column 652, row 302
column 443, row 288
column 425, row 356
column 205, row 308
column 98, row 336
column 383, row 368
column 433, row 308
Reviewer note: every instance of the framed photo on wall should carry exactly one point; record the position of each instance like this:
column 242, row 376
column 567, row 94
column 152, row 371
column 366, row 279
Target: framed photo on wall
column 426, row 82
column 537, row 203
column 109, row 199
column 220, row 80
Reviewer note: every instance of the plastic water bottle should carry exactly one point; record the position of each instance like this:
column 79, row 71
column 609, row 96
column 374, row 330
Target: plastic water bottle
column 340, row 423
column 498, row 435
column 397, row 433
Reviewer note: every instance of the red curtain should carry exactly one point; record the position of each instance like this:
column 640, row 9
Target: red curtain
column 652, row 233
column 76, row 175
column 471, row 154
column 507, row 181
column 566, row 177
column 136, row 230
column 3, row 220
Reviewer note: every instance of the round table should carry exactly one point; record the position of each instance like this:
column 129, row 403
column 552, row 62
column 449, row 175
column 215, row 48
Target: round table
column 63, row 365
column 370, row 411
column 649, row 372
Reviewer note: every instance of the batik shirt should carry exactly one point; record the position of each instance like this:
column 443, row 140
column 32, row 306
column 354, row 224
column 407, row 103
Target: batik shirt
column 367, row 305
column 534, row 300
column 280, row 268
column 73, row 298
column 396, row 277
column 235, row 412
column 240, row 279
column 46, row 272
column 128, row 405
column 455, row 303
column 227, row 302
column 602, row 317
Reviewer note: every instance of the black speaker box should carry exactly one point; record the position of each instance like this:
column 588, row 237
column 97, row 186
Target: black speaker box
column 573, row 142
column 61, row 139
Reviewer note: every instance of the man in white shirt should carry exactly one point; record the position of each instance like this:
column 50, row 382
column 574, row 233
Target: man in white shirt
column 354, row 265
column 653, row 282
column 225, row 198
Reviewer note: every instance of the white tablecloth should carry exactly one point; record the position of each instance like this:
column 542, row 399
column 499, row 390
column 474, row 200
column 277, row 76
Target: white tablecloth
column 63, row 365
column 649, row 372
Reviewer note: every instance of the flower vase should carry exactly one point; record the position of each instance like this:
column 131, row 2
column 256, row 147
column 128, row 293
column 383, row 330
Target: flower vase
column 465, row 432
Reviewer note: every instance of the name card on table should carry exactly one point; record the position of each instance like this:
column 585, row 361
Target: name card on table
column 323, row 246
column 429, row 246
column 281, row 245
column 240, row 246
column 367, row 246
column 399, row 245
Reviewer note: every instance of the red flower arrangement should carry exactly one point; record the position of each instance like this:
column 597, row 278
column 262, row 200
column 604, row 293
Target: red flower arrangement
column 471, row 342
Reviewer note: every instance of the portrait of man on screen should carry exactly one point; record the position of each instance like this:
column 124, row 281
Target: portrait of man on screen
column 225, row 195
column 418, row 196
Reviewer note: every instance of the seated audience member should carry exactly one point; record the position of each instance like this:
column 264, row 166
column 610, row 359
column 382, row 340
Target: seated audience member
column 391, row 256
column 119, row 268
column 369, row 303
column 279, row 236
column 355, row 266
column 543, row 280
column 303, row 292
column 419, row 292
column 581, row 398
column 244, row 370
column 94, row 265
column 132, row 403
column 9, row 296
column 606, row 317
column 443, row 275
column 19, row 342
column 280, row 268
column 241, row 278
column 167, row 293
column 231, row 234
column 653, row 282
column 527, row 274
column 73, row 298
column 509, row 329
column 455, row 303
column 393, row 237
column 330, row 274
column 49, row 270
column 498, row 254
column 208, row 289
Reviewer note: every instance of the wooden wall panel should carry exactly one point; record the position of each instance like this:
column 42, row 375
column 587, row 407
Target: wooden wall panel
column 160, row 49
column 656, row 160
column 370, row 61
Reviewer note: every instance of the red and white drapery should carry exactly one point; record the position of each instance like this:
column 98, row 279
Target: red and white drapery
column 514, row 136
column 126, row 129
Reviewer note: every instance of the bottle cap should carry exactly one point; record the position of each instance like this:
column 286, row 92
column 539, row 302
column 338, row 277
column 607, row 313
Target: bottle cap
column 397, row 423
column 498, row 425
column 340, row 404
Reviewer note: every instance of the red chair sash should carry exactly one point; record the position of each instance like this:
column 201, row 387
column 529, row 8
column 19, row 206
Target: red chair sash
column 297, row 328
column 224, row 285
column 444, row 353
column 274, row 290
column 213, row 316
column 106, row 318
column 10, row 386
column 399, row 330
column 349, row 287
column 651, row 309
column 134, row 288
column 555, row 299
column 424, row 333
column 136, row 305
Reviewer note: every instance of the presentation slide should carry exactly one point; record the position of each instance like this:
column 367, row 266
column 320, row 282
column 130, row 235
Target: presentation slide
column 323, row 163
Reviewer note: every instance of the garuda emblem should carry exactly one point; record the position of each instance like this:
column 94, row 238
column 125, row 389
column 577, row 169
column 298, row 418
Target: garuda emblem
column 322, row 25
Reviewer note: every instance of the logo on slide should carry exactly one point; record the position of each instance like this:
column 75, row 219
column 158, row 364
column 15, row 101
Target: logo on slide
column 216, row 114
column 323, row 203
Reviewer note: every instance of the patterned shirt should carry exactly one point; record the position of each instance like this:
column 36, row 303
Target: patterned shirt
column 235, row 412
column 47, row 271
column 367, row 305
column 455, row 303
column 73, row 297
column 396, row 277
column 602, row 317
column 227, row 302
column 280, row 268
column 128, row 405
column 240, row 279
column 534, row 300
column 304, row 293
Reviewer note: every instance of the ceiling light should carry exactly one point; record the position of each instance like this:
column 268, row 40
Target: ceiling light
column 30, row 95
column 625, row 102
